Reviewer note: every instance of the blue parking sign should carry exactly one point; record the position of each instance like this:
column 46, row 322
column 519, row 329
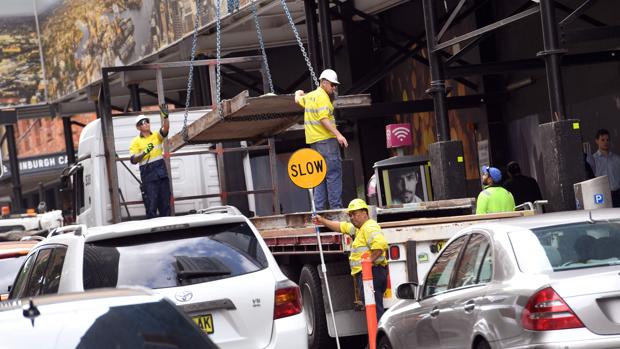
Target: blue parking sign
column 599, row 199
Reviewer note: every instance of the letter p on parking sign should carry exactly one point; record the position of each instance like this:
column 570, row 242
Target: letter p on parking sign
column 307, row 168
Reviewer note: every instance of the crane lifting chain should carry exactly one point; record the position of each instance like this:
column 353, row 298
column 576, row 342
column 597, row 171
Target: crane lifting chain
column 218, row 75
column 191, row 70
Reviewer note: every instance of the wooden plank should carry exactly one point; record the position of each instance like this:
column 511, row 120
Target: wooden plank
column 209, row 119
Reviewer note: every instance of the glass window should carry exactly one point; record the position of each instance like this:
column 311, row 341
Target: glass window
column 438, row 277
column 571, row 246
column 9, row 267
column 36, row 281
column 472, row 262
column 173, row 258
column 54, row 270
column 21, row 282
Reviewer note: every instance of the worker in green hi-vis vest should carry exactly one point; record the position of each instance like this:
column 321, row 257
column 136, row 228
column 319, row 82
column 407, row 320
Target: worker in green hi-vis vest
column 493, row 198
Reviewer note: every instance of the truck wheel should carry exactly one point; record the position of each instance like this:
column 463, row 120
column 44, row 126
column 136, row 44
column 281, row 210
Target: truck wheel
column 312, row 295
column 384, row 343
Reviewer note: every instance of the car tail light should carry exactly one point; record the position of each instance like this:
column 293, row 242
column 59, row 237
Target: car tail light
column 394, row 252
column 546, row 311
column 288, row 300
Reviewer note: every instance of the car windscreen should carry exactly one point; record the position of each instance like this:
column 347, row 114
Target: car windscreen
column 8, row 270
column 174, row 257
column 579, row 245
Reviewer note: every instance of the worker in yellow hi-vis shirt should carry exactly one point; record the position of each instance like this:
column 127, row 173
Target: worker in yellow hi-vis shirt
column 367, row 237
column 147, row 149
column 323, row 136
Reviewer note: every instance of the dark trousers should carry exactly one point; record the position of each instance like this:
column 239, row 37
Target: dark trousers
column 156, row 196
column 379, row 282
column 615, row 198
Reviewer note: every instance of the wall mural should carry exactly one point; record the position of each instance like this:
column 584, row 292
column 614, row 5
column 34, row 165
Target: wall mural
column 408, row 82
column 20, row 61
column 79, row 37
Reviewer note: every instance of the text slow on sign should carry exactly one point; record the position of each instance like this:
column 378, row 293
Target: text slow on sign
column 306, row 168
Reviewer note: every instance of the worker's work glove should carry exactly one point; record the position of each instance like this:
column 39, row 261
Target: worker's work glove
column 148, row 149
column 163, row 111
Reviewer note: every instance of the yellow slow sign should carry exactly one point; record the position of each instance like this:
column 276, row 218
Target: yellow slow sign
column 307, row 168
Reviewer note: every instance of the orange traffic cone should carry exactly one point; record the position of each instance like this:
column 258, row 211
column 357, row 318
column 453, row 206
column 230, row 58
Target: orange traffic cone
column 369, row 300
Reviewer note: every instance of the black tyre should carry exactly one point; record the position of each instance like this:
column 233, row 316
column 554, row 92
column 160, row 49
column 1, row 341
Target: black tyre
column 312, row 295
column 384, row 343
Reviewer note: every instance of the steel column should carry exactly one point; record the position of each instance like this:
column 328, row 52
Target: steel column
column 15, row 179
column 273, row 165
column 107, row 131
column 313, row 33
column 69, row 149
column 438, row 83
column 326, row 35
column 552, row 55
column 134, row 90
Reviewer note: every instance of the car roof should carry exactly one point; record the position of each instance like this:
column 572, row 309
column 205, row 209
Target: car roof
column 561, row 218
column 159, row 224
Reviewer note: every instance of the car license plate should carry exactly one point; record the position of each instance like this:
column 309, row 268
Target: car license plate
column 205, row 322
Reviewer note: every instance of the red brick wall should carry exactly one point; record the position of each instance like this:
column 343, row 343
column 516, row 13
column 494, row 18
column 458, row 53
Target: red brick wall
column 36, row 137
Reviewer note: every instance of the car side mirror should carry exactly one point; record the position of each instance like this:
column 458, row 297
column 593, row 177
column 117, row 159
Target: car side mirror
column 408, row 290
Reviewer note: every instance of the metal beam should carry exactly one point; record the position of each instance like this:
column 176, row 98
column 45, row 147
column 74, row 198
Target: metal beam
column 69, row 149
column 450, row 20
column 577, row 13
column 420, row 106
column 438, row 83
column 487, row 28
column 552, row 55
column 495, row 68
column 15, row 178
column 313, row 33
column 326, row 35
column 476, row 41
column 583, row 17
column 134, row 90
column 107, row 131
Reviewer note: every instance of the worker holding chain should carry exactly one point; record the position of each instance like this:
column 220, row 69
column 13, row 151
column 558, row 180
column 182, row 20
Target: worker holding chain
column 323, row 136
column 147, row 150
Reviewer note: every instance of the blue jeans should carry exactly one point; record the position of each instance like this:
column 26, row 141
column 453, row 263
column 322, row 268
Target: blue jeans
column 331, row 188
column 379, row 282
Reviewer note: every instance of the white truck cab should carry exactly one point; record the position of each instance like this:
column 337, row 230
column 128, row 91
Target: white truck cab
column 191, row 175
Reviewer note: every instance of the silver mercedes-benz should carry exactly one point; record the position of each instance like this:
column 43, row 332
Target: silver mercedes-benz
column 547, row 281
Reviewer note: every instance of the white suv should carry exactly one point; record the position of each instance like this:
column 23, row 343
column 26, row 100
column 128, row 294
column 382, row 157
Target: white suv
column 214, row 265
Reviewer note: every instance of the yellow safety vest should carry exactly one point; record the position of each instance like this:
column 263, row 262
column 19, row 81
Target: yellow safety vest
column 139, row 143
column 368, row 237
column 317, row 106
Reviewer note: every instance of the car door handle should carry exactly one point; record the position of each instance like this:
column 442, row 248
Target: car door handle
column 434, row 312
column 469, row 306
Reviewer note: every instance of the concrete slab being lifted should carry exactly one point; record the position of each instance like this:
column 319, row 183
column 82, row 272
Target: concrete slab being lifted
column 252, row 118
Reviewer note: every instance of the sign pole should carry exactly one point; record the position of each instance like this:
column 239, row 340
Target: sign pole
column 307, row 169
column 323, row 267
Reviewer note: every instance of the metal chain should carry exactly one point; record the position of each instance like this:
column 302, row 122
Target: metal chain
column 259, row 33
column 299, row 43
column 218, row 74
column 190, row 77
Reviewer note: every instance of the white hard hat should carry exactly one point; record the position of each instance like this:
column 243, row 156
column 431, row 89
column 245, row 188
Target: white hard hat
column 330, row 76
column 140, row 118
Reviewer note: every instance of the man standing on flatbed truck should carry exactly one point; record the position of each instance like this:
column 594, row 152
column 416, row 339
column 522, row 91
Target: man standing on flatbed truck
column 323, row 136
column 367, row 236
column 147, row 149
